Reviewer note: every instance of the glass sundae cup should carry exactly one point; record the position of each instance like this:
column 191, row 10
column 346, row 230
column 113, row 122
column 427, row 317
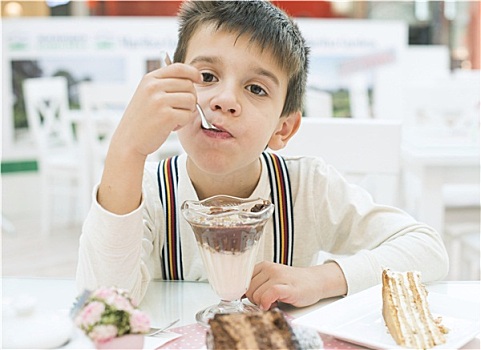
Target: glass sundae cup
column 228, row 230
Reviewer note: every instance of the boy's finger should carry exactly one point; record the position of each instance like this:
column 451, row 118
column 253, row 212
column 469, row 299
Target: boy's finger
column 170, row 85
column 274, row 294
column 178, row 70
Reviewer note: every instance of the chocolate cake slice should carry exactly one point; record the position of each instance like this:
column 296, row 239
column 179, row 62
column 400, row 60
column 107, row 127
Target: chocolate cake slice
column 260, row 330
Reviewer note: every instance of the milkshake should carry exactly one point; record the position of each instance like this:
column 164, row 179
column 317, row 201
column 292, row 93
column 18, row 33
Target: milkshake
column 229, row 255
column 228, row 230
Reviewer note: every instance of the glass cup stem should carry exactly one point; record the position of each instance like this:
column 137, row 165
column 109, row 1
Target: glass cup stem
column 224, row 307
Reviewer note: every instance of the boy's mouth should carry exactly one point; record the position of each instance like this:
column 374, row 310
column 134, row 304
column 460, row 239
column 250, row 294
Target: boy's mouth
column 216, row 128
column 219, row 133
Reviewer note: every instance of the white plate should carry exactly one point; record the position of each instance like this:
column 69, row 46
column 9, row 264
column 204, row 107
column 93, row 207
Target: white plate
column 358, row 319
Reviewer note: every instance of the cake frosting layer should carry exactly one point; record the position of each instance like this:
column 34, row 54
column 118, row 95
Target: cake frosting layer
column 406, row 311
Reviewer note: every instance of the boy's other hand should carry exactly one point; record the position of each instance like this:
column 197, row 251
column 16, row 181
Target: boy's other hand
column 164, row 101
column 298, row 286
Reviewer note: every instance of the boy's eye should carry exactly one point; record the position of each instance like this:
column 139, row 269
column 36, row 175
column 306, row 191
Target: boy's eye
column 208, row 77
column 257, row 90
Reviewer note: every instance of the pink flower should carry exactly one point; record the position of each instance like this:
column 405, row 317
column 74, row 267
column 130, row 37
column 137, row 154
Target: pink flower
column 90, row 314
column 103, row 333
column 134, row 302
column 121, row 303
column 104, row 293
column 139, row 322
column 104, row 314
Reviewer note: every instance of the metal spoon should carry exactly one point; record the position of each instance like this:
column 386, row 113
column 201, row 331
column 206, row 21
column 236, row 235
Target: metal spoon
column 155, row 331
column 165, row 61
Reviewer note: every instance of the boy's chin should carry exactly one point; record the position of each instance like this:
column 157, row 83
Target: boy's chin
column 221, row 165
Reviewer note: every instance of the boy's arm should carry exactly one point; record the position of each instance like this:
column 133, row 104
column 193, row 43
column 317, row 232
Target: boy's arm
column 163, row 102
column 121, row 249
column 111, row 245
column 365, row 238
column 110, row 252
column 121, row 185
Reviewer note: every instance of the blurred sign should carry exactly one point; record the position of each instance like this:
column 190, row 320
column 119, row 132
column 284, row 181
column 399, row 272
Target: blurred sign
column 82, row 49
column 123, row 49
column 346, row 57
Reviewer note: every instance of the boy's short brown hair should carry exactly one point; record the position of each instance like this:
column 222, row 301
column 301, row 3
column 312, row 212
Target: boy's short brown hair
column 268, row 27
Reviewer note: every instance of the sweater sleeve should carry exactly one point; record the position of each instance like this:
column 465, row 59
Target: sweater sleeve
column 117, row 250
column 110, row 250
column 366, row 237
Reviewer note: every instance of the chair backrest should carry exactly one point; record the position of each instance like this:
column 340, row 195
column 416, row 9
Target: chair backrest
column 47, row 107
column 366, row 152
column 318, row 103
column 102, row 106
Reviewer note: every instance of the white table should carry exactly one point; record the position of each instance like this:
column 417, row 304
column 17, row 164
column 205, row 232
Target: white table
column 435, row 166
column 166, row 301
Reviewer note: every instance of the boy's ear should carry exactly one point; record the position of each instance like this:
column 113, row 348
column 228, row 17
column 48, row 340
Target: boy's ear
column 286, row 128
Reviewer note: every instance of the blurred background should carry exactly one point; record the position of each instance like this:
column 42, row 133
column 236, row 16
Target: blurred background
column 393, row 101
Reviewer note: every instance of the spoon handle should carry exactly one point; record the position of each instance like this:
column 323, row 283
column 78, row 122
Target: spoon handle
column 165, row 59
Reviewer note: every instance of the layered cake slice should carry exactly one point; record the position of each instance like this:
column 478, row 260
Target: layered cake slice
column 258, row 330
column 406, row 311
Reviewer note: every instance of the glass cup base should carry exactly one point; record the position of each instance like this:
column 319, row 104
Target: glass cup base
column 224, row 307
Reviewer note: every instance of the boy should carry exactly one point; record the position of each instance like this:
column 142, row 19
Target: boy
column 245, row 63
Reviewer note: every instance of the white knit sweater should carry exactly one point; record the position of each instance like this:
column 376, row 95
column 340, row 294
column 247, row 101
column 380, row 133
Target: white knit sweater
column 330, row 215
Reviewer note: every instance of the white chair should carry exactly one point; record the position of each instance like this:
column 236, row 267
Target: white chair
column 366, row 152
column 471, row 253
column 102, row 106
column 444, row 114
column 47, row 107
column 462, row 242
column 318, row 103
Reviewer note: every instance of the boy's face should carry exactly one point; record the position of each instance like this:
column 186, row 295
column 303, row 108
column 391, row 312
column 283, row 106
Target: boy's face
column 243, row 94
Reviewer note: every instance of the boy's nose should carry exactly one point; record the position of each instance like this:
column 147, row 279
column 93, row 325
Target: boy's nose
column 226, row 101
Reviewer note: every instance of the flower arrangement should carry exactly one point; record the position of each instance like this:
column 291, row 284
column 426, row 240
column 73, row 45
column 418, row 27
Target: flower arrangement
column 110, row 312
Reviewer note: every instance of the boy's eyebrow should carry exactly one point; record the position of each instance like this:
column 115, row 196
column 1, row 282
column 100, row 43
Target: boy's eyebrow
column 267, row 74
column 258, row 71
column 207, row 59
